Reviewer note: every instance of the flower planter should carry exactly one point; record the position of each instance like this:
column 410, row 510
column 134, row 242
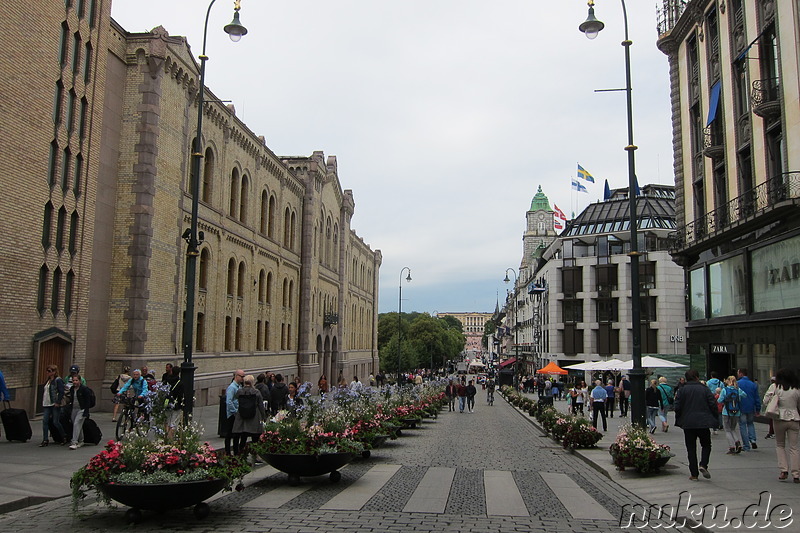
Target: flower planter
column 373, row 442
column 410, row 422
column 163, row 496
column 306, row 465
column 653, row 468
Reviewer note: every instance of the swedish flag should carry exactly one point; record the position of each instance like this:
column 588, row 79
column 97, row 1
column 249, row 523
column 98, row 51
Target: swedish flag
column 585, row 175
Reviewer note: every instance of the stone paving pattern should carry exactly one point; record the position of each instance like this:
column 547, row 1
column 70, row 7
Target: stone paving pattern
column 495, row 437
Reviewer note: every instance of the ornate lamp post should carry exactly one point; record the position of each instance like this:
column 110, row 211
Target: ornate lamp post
column 591, row 27
column 399, row 315
column 516, row 342
column 191, row 236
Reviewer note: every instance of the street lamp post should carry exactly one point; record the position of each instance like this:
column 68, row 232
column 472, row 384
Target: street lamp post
column 399, row 317
column 191, row 236
column 516, row 342
column 591, row 27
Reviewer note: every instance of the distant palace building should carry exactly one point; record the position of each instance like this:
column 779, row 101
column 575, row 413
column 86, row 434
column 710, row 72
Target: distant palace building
column 473, row 327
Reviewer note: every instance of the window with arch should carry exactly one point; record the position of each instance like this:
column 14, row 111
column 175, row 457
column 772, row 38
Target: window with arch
column 228, row 333
column 269, row 287
column 288, row 336
column 266, row 334
column 291, row 293
column 243, row 199
column 203, row 270
column 264, row 213
column 283, row 336
column 328, row 232
column 208, row 176
column 292, row 233
column 285, row 301
column 286, row 229
column 200, row 333
column 335, row 247
column 193, row 148
column 234, row 203
column 238, row 338
column 240, row 281
column 262, row 281
column 231, row 288
column 271, row 217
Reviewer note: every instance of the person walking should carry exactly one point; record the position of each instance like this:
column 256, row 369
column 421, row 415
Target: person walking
column 610, row 391
column 451, row 391
column 731, row 398
column 751, row 404
column 624, row 396
column 696, row 413
column 120, row 381
column 250, row 415
column 278, row 394
column 713, row 384
column 231, row 408
column 52, row 399
column 471, row 392
column 78, row 402
column 667, row 402
column 599, row 396
column 582, row 395
column 787, row 423
column 652, row 398
column 461, row 391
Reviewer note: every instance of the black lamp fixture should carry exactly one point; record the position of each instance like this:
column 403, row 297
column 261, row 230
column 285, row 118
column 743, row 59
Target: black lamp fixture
column 192, row 237
column 516, row 322
column 591, row 27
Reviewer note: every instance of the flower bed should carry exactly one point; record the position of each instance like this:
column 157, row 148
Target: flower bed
column 634, row 447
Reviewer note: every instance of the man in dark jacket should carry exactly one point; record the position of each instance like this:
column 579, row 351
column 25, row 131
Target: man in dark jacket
column 278, row 394
column 451, row 391
column 696, row 412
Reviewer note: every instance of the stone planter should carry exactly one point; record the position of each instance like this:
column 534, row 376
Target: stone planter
column 162, row 497
column 306, row 465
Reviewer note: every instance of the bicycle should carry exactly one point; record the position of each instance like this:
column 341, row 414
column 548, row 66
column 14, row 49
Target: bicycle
column 133, row 413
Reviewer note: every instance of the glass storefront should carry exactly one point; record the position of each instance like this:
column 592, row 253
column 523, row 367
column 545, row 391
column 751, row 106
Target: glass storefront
column 776, row 276
column 727, row 287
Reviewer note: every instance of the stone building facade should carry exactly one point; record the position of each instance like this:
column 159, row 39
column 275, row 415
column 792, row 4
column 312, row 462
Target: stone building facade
column 283, row 282
column 472, row 326
column 735, row 100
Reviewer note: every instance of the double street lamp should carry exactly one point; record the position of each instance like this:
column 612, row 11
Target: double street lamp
column 399, row 317
column 516, row 322
column 193, row 239
column 591, row 27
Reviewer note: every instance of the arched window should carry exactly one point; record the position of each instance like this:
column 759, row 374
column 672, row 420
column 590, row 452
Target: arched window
column 262, row 281
column 292, row 235
column 328, row 232
column 269, row 287
column 243, row 199
column 271, row 218
column 264, row 213
column 291, row 293
column 285, row 292
column 288, row 336
column 286, row 229
column 238, row 341
column 203, row 277
column 208, row 176
column 200, row 333
column 192, row 149
column 234, row 203
column 228, row 333
column 231, row 277
column 240, row 285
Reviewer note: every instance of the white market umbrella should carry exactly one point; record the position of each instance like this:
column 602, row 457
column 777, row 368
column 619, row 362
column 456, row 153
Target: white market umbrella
column 648, row 361
column 582, row 366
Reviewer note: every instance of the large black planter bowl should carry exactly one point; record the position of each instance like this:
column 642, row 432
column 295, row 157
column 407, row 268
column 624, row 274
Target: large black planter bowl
column 411, row 422
column 306, row 465
column 162, row 497
column 373, row 443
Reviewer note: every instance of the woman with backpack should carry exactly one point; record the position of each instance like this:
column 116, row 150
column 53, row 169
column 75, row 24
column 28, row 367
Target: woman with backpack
column 250, row 416
column 729, row 397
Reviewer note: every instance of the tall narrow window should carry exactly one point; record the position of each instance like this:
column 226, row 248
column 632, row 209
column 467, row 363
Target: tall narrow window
column 266, row 335
column 271, row 218
column 238, row 343
column 82, row 118
column 68, row 289
column 66, row 162
column 234, row 203
column 243, row 198
column 264, row 212
column 288, row 336
column 269, row 287
column 52, row 165
column 56, row 291
column 63, row 46
column 87, row 62
column 76, row 53
column 231, row 277
column 71, row 96
column 60, row 225
column 286, row 219
column 291, row 292
column 77, row 176
column 200, row 334
column 81, row 8
column 240, row 281
column 73, row 233
column 58, row 102
column 92, row 13
column 203, row 277
column 261, row 286
column 47, row 225
column 208, row 176
column 292, row 231
column 228, row 333
column 259, row 346
column 44, row 277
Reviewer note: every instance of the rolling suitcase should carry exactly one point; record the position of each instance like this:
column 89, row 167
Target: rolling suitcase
column 91, row 433
column 16, row 424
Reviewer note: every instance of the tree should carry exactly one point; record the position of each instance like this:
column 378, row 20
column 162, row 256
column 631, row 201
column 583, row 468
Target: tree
column 488, row 329
column 388, row 355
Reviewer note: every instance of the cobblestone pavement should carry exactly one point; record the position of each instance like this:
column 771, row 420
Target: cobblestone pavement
column 493, row 439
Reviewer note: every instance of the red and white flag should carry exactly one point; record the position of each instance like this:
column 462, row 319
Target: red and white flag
column 559, row 218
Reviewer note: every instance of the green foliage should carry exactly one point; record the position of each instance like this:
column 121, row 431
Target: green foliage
column 425, row 340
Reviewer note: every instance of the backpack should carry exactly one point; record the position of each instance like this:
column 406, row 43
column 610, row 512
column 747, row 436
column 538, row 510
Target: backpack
column 92, row 398
column 247, row 406
column 732, row 401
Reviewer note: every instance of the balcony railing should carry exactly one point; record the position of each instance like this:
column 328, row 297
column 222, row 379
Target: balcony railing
column 751, row 204
column 669, row 14
column 713, row 145
column 329, row 319
column 766, row 98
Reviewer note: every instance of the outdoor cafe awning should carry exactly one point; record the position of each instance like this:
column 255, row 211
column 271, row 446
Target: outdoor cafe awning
column 508, row 362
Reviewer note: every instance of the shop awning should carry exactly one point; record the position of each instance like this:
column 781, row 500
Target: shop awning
column 508, row 362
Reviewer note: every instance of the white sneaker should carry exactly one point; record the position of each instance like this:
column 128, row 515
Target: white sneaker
column 73, row 446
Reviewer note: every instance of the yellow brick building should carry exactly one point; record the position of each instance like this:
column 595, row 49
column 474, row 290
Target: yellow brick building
column 94, row 266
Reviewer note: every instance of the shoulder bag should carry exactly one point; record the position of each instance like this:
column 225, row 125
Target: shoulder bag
column 772, row 407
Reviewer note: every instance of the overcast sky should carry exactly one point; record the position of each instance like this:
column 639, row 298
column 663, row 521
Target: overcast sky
column 445, row 116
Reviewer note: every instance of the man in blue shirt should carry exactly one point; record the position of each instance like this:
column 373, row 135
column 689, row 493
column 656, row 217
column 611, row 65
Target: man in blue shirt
column 748, row 407
column 599, row 397
column 231, row 408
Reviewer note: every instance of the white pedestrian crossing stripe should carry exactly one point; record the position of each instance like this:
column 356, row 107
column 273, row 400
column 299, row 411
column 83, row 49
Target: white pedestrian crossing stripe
column 432, row 492
column 502, row 494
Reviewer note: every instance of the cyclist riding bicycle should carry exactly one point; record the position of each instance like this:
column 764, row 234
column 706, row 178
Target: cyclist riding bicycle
column 139, row 386
column 490, row 391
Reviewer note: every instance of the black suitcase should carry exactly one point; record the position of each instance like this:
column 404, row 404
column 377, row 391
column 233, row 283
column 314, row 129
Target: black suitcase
column 91, row 433
column 16, row 424
column 66, row 425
